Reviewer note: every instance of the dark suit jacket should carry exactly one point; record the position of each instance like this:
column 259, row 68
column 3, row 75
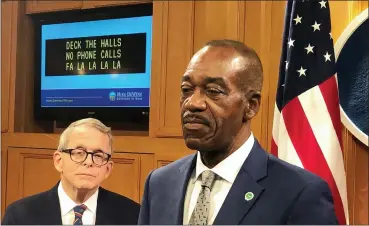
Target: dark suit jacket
column 283, row 194
column 44, row 208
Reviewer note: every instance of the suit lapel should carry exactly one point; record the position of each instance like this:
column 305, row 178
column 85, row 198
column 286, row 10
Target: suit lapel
column 179, row 188
column 102, row 212
column 235, row 206
column 52, row 210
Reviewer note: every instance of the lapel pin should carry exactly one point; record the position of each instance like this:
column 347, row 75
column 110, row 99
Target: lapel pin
column 249, row 195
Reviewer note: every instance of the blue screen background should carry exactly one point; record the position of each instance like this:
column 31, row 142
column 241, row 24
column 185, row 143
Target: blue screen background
column 98, row 28
column 107, row 83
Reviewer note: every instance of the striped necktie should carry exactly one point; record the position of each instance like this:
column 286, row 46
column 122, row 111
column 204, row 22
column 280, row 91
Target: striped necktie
column 78, row 212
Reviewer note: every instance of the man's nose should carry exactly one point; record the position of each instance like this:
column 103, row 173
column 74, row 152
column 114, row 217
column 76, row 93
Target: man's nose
column 88, row 162
column 196, row 102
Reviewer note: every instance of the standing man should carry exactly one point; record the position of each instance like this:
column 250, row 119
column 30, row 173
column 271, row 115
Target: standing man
column 84, row 161
column 230, row 179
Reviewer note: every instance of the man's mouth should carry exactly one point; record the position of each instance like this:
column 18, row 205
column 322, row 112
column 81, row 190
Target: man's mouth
column 193, row 125
column 85, row 174
column 194, row 119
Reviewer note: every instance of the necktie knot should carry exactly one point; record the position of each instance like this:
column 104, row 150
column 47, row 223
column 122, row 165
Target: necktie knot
column 80, row 209
column 207, row 179
column 78, row 212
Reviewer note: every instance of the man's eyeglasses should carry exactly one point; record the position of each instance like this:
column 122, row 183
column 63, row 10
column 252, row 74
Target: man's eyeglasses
column 99, row 158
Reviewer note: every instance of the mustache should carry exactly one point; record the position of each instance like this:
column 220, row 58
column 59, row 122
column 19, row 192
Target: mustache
column 194, row 118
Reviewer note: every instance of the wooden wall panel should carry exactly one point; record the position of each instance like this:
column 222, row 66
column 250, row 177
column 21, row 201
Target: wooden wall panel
column 6, row 32
column 40, row 6
column 4, row 169
column 121, row 144
column 36, row 171
column 278, row 11
column 25, row 72
column 125, row 178
column 146, row 166
column 107, row 3
column 174, row 40
column 360, row 195
column 163, row 159
column 37, row 6
column 264, row 32
column 9, row 21
column 22, row 176
column 217, row 20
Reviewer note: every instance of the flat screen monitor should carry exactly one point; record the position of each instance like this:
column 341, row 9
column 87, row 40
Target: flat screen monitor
column 96, row 63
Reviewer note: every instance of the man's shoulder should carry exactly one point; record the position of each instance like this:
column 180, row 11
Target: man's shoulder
column 173, row 166
column 117, row 199
column 24, row 210
column 29, row 201
column 286, row 171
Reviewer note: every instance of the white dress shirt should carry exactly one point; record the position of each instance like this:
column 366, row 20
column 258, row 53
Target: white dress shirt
column 226, row 172
column 67, row 205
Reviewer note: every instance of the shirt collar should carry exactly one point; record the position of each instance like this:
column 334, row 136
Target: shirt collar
column 67, row 204
column 229, row 167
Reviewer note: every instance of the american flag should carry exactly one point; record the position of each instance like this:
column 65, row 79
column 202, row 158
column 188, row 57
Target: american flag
column 306, row 124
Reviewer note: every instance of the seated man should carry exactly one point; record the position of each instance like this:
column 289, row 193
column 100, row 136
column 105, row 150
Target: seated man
column 84, row 161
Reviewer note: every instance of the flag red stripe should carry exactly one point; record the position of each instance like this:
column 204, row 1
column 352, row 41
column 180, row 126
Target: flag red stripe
column 308, row 150
column 330, row 95
column 274, row 148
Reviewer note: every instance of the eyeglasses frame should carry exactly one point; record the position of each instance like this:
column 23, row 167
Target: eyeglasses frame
column 69, row 151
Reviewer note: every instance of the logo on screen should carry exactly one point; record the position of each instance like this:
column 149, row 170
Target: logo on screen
column 112, row 96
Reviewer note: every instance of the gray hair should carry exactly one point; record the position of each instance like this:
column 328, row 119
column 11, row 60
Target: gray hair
column 90, row 122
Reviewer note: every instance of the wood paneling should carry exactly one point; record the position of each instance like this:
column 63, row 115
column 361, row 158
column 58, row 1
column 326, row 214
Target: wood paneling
column 264, row 32
column 30, row 172
column 125, row 144
column 40, row 6
column 9, row 21
column 6, row 20
column 4, row 169
column 125, row 178
column 24, row 77
column 147, row 165
column 217, row 20
column 360, row 196
column 356, row 164
column 108, row 3
column 163, row 159
column 173, row 42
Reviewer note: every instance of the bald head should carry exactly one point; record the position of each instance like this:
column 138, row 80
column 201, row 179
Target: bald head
column 245, row 60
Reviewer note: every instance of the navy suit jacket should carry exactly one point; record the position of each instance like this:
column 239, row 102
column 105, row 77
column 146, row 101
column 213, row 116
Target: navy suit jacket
column 283, row 194
column 44, row 209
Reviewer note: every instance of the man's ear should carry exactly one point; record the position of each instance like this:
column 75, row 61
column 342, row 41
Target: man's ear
column 58, row 161
column 109, row 168
column 253, row 101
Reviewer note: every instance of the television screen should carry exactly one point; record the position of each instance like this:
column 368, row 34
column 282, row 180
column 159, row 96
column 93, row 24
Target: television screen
column 96, row 63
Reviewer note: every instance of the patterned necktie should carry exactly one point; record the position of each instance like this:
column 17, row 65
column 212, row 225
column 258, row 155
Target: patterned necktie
column 78, row 212
column 201, row 211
